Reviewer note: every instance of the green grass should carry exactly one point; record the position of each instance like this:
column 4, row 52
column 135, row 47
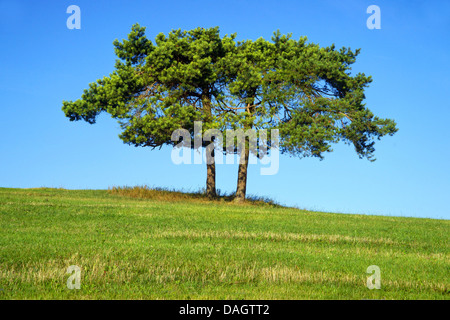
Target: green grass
column 151, row 248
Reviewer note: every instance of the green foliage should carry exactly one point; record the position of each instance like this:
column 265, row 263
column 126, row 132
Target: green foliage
column 304, row 90
column 159, row 88
column 308, row 93
column 136, row 48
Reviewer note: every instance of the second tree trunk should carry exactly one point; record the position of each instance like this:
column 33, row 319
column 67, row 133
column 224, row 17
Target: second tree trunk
column 211, row 176
column 241, row 188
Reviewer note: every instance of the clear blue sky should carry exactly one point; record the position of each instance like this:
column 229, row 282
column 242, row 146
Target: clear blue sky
column 43, row 63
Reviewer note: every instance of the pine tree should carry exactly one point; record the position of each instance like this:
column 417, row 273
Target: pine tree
column 158, row 88
column 306, row 92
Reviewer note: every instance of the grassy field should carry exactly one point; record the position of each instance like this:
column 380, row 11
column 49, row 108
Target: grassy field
column 189, row 248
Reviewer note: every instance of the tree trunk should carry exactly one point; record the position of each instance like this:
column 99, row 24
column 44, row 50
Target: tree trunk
column 211, row 176
column 241, row 188
column 210, row 163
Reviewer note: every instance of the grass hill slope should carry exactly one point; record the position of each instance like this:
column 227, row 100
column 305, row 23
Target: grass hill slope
column 162, row 245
